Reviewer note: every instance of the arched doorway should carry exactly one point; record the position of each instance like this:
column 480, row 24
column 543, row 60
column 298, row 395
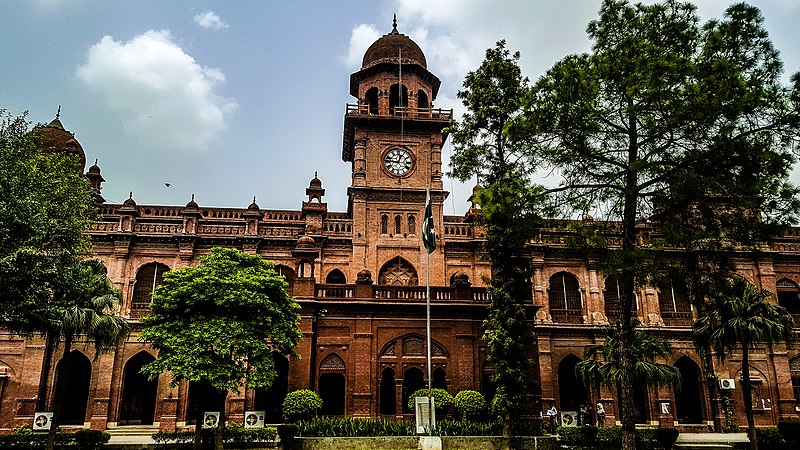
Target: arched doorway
column 571, row 393
column 387, row 392
column 397, row 272
column 641, row 401
column 397, row 98
column 335, row 276
column 371, row 99
column 138, row 400
column 271, row 400
column 75, row 397
column 439, row 379
column 413, row 380
column 688, row 406
column 331, row 385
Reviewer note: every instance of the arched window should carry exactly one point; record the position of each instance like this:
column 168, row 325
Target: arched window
column 565, row 301
column 148, row 277
column 673, row 303
column 422, row 100
column 397, row 272
column 412, row 225
column 371, row 98
column 288, row 274
column 385, row 224
column 794, row 371
column 398, row 224
column 789, row 297
column 335, row 276
column 397, row 98
column 612, row 296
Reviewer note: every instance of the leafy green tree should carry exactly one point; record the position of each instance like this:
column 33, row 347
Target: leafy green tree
column 665, row 118
column 220, row 322
column 45, row 208
column 740, row 318
column 601, row 362
column 492, row 95
column 87, row 310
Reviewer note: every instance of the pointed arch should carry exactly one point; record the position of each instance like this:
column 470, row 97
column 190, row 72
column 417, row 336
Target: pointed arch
column 688, row 399
column 571, row 392
column 332, row 385
column 398, row 272
column 371, row 99
column 397, row 98
column 137, row 404
column 439, row 378
column 422, row 100
column 332, row 362
column 288, row 274
column 412, row 224
column 413, row 380
column 148, row 277
column 398, row 225
column 335, row 276
column 794, row 372
column 385, row 224
column 789, row 296
column 75, row 397
column 386, row 396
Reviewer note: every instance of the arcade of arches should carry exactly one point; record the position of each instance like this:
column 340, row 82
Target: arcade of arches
column 359, row 276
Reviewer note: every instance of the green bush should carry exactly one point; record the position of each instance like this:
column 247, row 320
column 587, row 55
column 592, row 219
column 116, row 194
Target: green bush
column 770, row 437
column 23, row 438
column 469, row 404
column 351, row 427
column 301, row 405
column 180, row 437
column 90, row 439
column 442, row 399
column 790, row 431
column 666, row 437
column 610, row 437
column 238, row 435
column 465, row 427
column 646, row 439
column 583, row 436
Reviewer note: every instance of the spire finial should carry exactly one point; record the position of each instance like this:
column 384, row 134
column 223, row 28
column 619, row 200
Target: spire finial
column 192, row 196
column 315, row 174
column 130, row 196
column 394, row 25
column 58, row 113
column 254, row 199
column 95, row 161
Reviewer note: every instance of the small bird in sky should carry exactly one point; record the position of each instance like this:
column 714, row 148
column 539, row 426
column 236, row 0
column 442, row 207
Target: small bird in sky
column 167, row 184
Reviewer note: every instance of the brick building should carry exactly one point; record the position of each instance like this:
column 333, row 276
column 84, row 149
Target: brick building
column 360, row 278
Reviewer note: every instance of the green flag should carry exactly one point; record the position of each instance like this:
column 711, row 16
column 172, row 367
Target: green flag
column 428, row 234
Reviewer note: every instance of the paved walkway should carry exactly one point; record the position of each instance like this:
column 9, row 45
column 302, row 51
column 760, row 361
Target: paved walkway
column 712, row 438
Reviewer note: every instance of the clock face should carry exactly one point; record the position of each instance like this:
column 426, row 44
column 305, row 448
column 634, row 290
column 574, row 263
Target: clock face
column 398, row 162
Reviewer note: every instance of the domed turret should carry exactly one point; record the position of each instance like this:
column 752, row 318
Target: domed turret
column 192, row 204
column 129, row 202
column 389, row 48
column 56, row 139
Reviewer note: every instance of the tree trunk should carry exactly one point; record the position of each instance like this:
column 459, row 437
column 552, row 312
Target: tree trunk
column 198, row 431
column 218, row 444
column 748, row 397
column 61, row 386
column 713, row 388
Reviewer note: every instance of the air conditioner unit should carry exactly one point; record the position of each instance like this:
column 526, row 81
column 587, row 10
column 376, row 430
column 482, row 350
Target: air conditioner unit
column 210, row 419
column 42, row 421
column 727, row 383
column 254, row 419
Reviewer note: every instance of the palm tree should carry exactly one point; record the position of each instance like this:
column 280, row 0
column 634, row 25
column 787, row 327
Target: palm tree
column 600, row 363
column 741, row 317
column 88, row 311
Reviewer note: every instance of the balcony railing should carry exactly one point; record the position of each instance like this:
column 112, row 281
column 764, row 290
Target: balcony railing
column 677, row 318
column 414, row 113
column 567, row 315
column 414, row 293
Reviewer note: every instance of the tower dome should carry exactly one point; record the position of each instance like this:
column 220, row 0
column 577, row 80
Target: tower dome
column 56, row 139
column 388, row 49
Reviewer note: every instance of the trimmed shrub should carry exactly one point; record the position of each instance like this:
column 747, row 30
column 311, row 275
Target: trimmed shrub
column 770, row 437
column 90, row 439
column 240, row 436
column 469, row 404
column 583, row 436
column 666, row 437
column 790, row 431
column 300, row 405
column 609, row 437
column 180, row 437
column 465, row 427
column 646, row 439
column 442, row 399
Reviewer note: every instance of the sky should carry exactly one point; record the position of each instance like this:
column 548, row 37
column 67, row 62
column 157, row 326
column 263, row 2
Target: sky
column 228, row 100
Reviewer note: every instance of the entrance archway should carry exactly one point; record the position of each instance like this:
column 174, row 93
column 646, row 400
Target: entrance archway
column 413, row 380
column 271, row 400
column 571, row 393
column 387, row 392
column 331, row 389
column 138, row 399
column 75, row 397
column 202, row 397
column 688, row 406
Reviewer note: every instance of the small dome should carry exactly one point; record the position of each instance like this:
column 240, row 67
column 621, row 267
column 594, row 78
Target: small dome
column 58, row 140
column 253, row 206
column 192, row 203
column 95, row 169
column 387, row 49
column 306, row 242
column 315, row 182
column 129, row 201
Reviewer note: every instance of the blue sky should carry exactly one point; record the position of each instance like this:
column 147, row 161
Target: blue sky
column 229, row 100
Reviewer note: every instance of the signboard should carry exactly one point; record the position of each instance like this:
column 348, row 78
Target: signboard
column 425, row 420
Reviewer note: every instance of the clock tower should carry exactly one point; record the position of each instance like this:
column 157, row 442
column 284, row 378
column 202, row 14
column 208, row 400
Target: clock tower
column 393, row 139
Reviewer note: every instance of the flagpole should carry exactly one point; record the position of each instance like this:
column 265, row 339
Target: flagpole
column 428, row 324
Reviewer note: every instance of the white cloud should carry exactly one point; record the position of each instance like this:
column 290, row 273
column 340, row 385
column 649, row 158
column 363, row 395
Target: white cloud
column 361, row 37
column 209, row 19
column 166, row 99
